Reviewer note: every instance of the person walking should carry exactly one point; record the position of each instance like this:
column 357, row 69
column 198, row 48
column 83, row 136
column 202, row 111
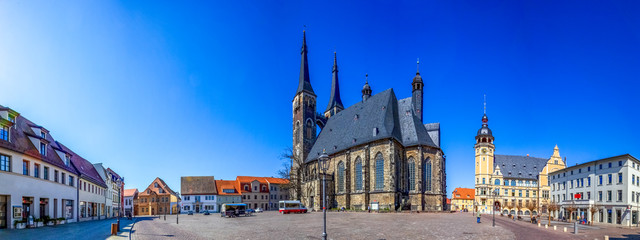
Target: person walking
column 478, row 215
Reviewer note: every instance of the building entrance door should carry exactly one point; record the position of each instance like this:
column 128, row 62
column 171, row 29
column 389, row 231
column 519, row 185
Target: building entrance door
column 153, row 211
column 4, row 209
column 197, row 208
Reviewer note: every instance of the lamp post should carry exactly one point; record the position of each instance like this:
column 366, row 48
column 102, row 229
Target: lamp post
column 177, row 210
column 323, row 162
column 495, row 193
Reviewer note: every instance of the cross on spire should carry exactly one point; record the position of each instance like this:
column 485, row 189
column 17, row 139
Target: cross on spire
column 485, row 104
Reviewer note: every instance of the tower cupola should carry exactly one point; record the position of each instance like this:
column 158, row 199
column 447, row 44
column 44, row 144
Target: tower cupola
column 366, row 89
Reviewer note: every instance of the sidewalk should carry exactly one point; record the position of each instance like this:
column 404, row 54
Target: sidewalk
column 97, row 229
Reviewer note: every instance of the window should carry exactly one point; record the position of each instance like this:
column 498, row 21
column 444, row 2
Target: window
column 66, row 159
column 600, row 180
column 513, row 182
column 497, row 182
column 246, row 187
column 62, row 178
column 588, row 169
column 36, row 170
column 358, row 174
column 412, row 174
column 619, row 177
column 5, row 163
column 43, row 149
column 588, row 195
column 527, row 193
column 619, row 163
column 483, row 181
column 600, row 166
column 45, row 173
column 255, row 188
column 519, row 193
column 619, row 195
column 427, row 175
column 609, row 165
column 341, row 176
column 609, row 196
column 4, row 133
column 588, row 181
column 610, row 179
column 379, row 172
column 633, row 179
column 55, row 175
column 70, row 180
column 25, row 167
column 155, row 184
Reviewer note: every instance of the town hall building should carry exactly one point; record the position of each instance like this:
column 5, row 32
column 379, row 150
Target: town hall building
column 382, row 155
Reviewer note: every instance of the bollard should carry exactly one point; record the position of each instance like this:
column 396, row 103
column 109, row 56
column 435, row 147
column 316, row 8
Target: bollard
column 575, row 228
column 565, row 229
column 554, row 227
column 546, row 226
column 114, row 229
column 606, row 237
column 538, row 224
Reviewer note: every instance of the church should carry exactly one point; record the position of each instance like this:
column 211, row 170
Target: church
column 382, row 155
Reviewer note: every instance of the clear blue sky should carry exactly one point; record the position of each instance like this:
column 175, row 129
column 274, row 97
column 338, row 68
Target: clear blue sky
column 176, row 89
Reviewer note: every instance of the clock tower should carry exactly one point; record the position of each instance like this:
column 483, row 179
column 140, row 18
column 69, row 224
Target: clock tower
column 484, row 157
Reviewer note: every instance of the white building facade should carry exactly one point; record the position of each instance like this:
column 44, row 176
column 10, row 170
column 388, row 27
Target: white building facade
column 199, row 194
column 34, row 180
column 608, row 189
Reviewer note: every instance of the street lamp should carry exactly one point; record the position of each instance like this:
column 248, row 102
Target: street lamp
column 323, row 164
column 178, row 208
column 495, row 193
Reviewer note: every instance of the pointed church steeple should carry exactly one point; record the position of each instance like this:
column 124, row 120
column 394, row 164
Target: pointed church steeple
column 366, row 89
column 335, row 103
column 305, row 83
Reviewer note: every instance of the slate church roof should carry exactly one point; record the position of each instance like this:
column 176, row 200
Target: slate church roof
column 524, row 167
column 381, row 116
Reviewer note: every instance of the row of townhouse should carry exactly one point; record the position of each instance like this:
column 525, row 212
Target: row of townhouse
column 41, row 177
column 601, row 191
column 206, row 193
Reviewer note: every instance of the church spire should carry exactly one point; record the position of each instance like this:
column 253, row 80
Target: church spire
column 305, row 83
column 366, row 89
column 335, row 103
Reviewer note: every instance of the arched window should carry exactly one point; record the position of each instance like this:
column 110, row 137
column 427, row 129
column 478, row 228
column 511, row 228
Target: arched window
column 309, row 129
column 513, row 182
column 412, row 174
column 427, row 174
column 358, row 174
column 497, row 182
column 379, row 172
column 341, row 176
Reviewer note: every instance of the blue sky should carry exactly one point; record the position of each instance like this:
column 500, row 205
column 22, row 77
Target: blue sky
column 166, row 89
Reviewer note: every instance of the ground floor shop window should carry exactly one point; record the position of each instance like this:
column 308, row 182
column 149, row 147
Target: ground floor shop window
column 68, row 209
column 4, row 211
column 83, row 209
column 608, row 216
column 27, row 204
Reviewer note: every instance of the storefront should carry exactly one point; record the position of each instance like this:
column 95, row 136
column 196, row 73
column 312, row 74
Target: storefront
column 68, row 209
column 27, row 204
column 4, row 211
column 44, row 207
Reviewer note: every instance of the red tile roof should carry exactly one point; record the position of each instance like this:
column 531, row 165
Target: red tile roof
column 161, row 185
column 85, row 168
column 463, row 193
column 191, row 185
column 221, row 185
column 276, row 180
column 130, row 192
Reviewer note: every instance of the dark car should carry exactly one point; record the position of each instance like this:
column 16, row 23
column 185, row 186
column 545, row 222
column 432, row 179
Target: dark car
column 250, row 210
column 190, row 213
column 206, row 212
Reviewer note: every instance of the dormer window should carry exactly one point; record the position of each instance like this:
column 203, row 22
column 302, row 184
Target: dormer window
column 66, row 159
column 155, row 184
column 4, row 133
column 246, row 187
column 43, row 134
column 12, row 118
column 43, row 149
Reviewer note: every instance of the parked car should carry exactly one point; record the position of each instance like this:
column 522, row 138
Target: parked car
column 206, row 212
column 251, row 210
column 258, row 210
column 190, row 212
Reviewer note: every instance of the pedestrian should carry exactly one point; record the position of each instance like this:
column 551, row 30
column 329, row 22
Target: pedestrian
column 478, row 217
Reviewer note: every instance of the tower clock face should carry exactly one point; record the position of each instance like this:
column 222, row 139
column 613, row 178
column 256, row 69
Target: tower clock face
column 484, row 150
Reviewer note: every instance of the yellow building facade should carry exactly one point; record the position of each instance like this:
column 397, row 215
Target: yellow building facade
column 462, row 199
column 517, row 185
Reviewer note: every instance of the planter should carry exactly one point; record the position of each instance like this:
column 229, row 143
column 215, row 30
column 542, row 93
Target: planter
column 21, row 225
column 50, row 223
column 39, row 224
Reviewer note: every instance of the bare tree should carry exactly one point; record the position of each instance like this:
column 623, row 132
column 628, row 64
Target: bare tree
column 292, row 171
column 571, row 208
column 532, row 206
column 594, row 209
column 552, row 208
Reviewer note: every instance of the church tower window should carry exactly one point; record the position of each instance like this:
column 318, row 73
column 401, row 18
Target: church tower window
column 412, row 174
column 427, row 175
column 341, row 177
column 379, row 172
column 358, row 174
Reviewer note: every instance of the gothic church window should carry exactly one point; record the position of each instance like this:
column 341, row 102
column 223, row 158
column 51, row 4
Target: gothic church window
column 341, row 177
column 358, row 174
column 379, row 172
column 412, row 174
column 309, row 129
column 427, row 174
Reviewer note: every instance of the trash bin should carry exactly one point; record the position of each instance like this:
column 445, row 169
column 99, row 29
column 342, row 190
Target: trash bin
column 114, row 229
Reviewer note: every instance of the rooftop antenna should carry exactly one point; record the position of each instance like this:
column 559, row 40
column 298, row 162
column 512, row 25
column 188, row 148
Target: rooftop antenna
column 366, row 78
